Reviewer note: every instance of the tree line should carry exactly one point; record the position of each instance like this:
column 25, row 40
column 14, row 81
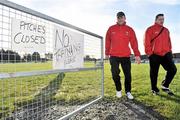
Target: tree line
column 9, row 56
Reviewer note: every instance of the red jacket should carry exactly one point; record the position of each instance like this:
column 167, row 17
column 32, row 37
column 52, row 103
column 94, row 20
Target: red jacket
column 161, row 45
column 118, row 38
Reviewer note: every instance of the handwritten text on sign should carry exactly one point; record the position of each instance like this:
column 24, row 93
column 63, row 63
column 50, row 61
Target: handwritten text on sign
column 28, row 36
column 68, row 49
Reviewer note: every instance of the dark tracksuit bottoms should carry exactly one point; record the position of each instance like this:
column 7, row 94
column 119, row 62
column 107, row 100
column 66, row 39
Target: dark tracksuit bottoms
column 167, row 63
column 126, row 67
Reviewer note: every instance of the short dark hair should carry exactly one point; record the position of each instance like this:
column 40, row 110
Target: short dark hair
column 158, row 15
column 120, row 14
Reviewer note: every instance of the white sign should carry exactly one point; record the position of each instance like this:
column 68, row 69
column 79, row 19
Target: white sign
column 28, row 37
column 68, row 49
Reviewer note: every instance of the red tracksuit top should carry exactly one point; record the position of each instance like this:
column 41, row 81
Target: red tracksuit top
column 118, row 38
column 161, row 45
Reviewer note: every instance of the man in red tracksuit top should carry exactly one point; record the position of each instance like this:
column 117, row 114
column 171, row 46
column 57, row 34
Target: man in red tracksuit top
column 118, row 38
column 158, row 48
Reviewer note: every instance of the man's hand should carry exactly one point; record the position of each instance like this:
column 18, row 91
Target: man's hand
column 137, row 59
column 107, row 56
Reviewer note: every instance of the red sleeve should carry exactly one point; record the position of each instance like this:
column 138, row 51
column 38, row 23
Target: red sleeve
column 147, row 42
column 108, row 42
column 134, row 43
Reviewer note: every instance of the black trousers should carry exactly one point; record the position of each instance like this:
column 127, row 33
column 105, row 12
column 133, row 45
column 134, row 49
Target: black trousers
column 167, row 63
column 126, row 67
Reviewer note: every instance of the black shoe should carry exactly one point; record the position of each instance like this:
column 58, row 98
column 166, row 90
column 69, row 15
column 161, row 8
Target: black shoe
column 156, row 89
column 167, row 90
column 155, row 92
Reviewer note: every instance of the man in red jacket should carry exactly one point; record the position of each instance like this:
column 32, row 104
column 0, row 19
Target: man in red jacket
column 118, row 38
column 158, row 48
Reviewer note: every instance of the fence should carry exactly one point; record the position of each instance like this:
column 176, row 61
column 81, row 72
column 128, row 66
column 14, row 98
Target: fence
column 30, row 87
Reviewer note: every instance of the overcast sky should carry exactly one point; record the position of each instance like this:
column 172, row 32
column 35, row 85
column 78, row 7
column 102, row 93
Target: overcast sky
column 97, row 15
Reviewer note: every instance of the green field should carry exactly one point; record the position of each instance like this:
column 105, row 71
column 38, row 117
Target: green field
column 167, row 106
column 64, row 88
column 73, row 88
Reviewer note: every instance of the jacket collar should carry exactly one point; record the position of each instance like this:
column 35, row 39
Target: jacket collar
column 158, row 25
column 122, row 24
